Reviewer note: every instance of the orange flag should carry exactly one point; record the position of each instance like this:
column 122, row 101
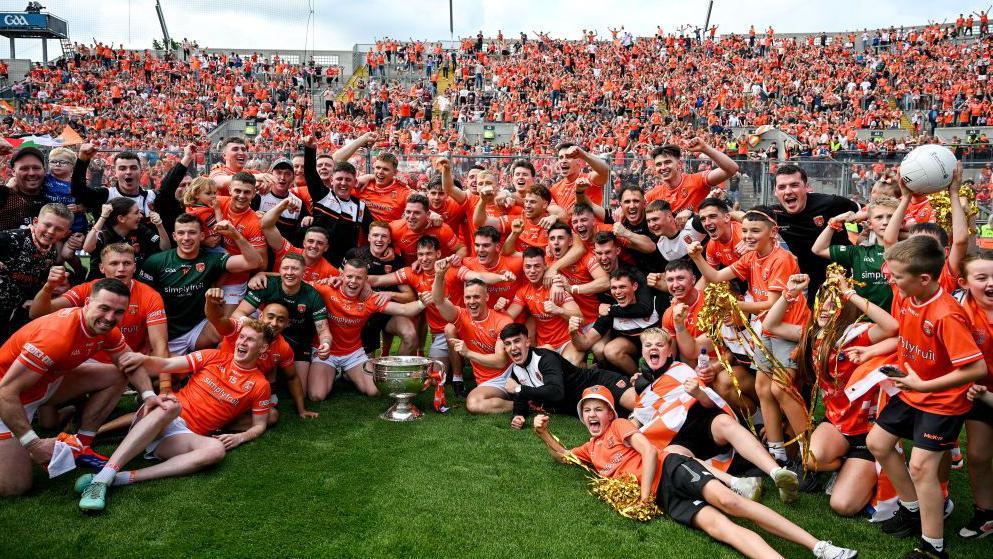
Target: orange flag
column 70, row 137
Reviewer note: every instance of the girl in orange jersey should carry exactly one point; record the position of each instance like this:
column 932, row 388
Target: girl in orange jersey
column 837, row 444
column 977, row 300
column 766, row 267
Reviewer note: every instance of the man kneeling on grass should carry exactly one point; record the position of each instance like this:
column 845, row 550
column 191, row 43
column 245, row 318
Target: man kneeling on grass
column 688, row 492
column 223, row 387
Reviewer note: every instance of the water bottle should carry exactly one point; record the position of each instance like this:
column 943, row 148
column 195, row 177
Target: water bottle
column 703, row 361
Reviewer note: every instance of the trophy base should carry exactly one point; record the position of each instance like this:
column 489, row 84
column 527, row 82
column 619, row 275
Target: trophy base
column 403, row 410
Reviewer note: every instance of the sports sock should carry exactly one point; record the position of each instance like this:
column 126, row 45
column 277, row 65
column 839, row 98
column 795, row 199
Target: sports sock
column 937, row 543
column 912, row 506
column 456, row 378
column 777, row 450
column 106, row 475
column 86, row 437
column 124, row 478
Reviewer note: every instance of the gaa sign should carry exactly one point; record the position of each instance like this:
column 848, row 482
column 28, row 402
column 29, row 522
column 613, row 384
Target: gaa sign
column 21, row 20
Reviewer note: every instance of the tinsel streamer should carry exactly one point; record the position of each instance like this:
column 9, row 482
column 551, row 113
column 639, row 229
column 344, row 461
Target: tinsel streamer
column 622, row 494
column 718, row 304
column 943, row 208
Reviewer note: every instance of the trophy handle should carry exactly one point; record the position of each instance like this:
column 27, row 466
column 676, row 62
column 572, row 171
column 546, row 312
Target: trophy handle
column 367, row 368
column 437, row 365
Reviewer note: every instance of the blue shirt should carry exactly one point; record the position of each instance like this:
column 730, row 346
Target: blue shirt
column 60, row 192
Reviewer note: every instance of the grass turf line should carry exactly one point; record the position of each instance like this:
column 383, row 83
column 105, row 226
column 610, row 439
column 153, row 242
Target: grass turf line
column 350, row 485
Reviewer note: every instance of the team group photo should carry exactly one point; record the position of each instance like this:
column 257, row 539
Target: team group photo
column 712, row 281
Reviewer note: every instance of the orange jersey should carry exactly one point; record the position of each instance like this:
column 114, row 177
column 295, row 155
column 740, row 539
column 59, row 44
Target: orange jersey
column 579, row 273
column 688, row 194
column 144, row 309
column 206, row 216
column 935, row 339
column 612, row 455
column 405, row 239
column 564, row 193
column 669, row 325
column 422, row 282
column 248, row 224
column 385, row 202
column 481, row 337
column 851, row 417
column 533, row 235
column 919, row 211
column 219, row 391
column 278, row 355
column 346, row 317
column 982, row 332
column 319, row 270
column 768, row 274
column 53, row 345
column 505, row 289
column 551, row 330
column 720, row 254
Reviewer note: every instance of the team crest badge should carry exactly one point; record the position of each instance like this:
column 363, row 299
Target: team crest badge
column 687, row 239
column 301, row 308
column 201, row 266
column 819, row 221
column 388, row 268
column 132, row 309
column 248, row 385
column 928, row 328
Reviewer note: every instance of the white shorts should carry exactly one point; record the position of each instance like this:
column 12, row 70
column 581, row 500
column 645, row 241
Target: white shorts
column 500, row 382
column 343, row 362
column 233, row 294
column 439, row 345
column 31, row 407
column 185, row 343
column 175, row 427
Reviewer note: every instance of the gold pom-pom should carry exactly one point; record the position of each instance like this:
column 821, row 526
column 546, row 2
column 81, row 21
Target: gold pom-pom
column 942, row 207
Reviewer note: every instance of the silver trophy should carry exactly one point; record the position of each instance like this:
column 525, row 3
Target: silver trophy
column 401, row 377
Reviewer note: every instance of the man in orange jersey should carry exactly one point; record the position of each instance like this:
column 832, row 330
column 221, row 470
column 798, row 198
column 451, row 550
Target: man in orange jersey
column 237, row 209
column 37, row 366
column 478, row 327
column 349, row 307
column 572, row 160
column 278, row 356
column 180, row 432
column 584, row 280
column 685, row 191
column 234, row 150
column 415, row 224
column 725, row 246
column 551, row 318
column 938, row 361
column 489, row 259
column 315, row 245
column 382, row 193
column 528, row 230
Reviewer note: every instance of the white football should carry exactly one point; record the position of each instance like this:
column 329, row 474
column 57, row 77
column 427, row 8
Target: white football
column 928, row 168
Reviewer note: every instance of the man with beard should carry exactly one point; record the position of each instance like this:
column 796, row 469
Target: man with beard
column 308, row 313
column 348, row 311
column 316, row 241
column 381, row 191
column 543, row 378
column 38, row 365
column 801, row 215
column 125, row 184
column 685, row 191
column 25, row 258
column 345, row 217
column 22, row 202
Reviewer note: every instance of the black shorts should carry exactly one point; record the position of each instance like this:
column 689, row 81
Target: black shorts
column 680, row 492
column 372, row 332
column 696, row 436
column 302, row 351
column 980, row 412
column 617, row 383
column 857, row 448
column 928, row 431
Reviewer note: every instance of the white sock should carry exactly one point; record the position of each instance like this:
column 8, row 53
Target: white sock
column 937, row 543
column 912, row 506
column 106, row 474
column 777, row 450
column 124, row 478
column 456, row 378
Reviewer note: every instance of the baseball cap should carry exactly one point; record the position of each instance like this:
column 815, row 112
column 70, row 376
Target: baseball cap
column 24, row 152
column 281, row 163
column 596, row 392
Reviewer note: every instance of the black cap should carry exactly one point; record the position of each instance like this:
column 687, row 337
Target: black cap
column 26, row 151
column 284, row 163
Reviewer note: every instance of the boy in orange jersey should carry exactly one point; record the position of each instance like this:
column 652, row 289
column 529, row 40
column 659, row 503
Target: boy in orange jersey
column 180, row 432
column 686, row 191
column 683, row 488
column 938, row 360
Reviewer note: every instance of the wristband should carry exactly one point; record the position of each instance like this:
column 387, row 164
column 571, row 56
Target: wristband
column 28, row 438
column 847, row 295
column 572, row 289
column 791, row 299
column 836, row 225
column 147, row 394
